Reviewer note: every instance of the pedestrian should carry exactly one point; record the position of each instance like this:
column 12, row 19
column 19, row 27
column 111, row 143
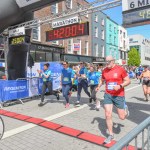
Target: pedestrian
column 82, row 83
column 140, row 70
column 93, row 79
column 116, row 79
column 66, row 82
column 45, row 74
column 146, row 82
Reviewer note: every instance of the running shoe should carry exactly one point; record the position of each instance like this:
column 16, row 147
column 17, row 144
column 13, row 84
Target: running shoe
column 109, row 139
column 77, row 104
column 127, row 111
column 67, row 105
column 41, row 104
column 57, row 96
column 97, row 108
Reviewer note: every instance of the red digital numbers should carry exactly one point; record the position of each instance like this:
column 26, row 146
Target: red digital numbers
column 68, row 31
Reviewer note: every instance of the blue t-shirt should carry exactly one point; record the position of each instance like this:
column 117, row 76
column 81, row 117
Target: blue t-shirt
column 140, row 70
column 67, row 74
column 47, row 72
column 93, row 78
column 83, row 71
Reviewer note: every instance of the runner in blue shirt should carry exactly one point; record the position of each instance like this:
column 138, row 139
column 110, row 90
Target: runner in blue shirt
column 66, row 81
column 47, row 83
column 93, row 79
column 140, row 70
column 82, row 82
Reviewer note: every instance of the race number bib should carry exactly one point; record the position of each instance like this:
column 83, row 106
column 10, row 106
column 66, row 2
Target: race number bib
column 111, row 85
column 66, row 79
column 92, row 82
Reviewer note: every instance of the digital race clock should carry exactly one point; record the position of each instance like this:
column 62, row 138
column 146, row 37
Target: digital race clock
column 73, row 30
column 19, row 40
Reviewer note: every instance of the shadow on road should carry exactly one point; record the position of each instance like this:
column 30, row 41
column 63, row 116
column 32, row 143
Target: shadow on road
column 139, row 99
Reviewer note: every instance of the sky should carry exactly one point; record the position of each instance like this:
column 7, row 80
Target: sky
column 116, row 15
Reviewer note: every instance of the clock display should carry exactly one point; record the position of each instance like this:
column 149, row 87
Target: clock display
column 73, row 30
column 19, row 40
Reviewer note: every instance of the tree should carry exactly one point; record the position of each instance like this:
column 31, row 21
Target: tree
column 134, row 57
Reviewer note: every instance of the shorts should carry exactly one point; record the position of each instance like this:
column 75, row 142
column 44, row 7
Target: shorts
column 118, row 101
column 147, row 83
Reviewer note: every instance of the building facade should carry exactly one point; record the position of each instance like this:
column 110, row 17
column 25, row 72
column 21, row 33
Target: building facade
column 39, row 34
column 123, row 44
column 112, row 38
column 98, row 34
column 142, row 45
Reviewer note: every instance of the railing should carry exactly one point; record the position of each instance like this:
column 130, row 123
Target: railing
column 142, row 131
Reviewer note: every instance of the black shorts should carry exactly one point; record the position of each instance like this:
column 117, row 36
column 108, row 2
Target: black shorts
column 147, row 83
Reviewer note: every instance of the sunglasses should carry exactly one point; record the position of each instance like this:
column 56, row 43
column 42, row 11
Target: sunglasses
column 109, row 61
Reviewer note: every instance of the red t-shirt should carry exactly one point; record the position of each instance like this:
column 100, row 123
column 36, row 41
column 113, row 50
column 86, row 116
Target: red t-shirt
column 114, row 77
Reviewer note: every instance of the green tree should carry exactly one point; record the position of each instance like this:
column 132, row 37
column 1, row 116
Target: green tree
column 134, row 57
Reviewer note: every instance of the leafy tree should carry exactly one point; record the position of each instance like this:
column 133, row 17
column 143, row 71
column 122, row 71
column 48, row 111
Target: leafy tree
column 134, row 57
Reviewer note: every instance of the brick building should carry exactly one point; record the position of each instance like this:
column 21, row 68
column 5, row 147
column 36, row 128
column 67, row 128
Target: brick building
column 39, row 34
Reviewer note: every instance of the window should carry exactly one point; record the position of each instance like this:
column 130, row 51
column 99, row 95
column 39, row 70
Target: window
column 69, row 4
column 114, row 29
column 96, row 50
column 70, row 43
column 96, row 32
column 115, row 41
column 124, row 44
column 103, row 22
column 36, row 34
column 54, row 8
column 48, row 56
column 86, row 47
column 32, row 53
column 55, row 43
column 79, row 41
column 109, row 27
column 103, row 51
column 124, row 34
column 120, row 54
column 96, row 18
column 120, row 31
column 56, row 57
column 40, row 56
column 110, row 39
column 103, row 35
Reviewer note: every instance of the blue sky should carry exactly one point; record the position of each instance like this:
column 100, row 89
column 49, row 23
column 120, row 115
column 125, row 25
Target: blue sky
column 116, row 15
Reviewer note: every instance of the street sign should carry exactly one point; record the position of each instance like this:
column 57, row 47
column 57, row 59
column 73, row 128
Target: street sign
column 23, row 3
column 17, row 32
column 76, row 46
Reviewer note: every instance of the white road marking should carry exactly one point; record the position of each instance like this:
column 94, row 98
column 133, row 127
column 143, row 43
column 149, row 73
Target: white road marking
column 61, row 114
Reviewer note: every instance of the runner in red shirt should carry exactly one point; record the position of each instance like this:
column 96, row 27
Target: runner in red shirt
column 116, row 79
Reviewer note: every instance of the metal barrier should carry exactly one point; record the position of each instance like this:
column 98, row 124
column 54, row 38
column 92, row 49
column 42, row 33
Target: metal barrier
column 133, row 135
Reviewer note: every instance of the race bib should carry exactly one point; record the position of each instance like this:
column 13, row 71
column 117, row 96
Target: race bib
column 92, row 82
column 66, row 79
column 44, row 80
column 111, row 85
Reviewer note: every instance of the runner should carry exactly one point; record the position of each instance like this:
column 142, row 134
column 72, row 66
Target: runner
column 93, row 79
column 146, row 82
column 47, row 83
column 116, row 79
column 82, row 83
column 66, row 81
column 140, row 70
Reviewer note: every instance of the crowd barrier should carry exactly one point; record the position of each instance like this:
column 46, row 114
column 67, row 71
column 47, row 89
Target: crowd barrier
column 22, row 88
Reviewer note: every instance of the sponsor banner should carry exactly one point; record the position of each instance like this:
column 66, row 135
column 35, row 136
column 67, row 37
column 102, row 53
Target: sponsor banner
column 14, row 90
column 65, row 22
column 133, row 4
column 23, row 3
column 17, row 32
column 33, row 87
column 76, row 46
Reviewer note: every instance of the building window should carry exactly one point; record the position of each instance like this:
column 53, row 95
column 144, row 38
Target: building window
column 96, row 18
column 120, row 31
column 54, row 8
column 69, row 4
column 49, row 56
column 96, row 50
column 36, row 34
column 110, row 41
column 40, row 56
column 96, row 32
column 55, row 43
column 124, row 44
column 86, row 47
column 120, row 54
column 124, row 35
column 103, row 22
column 56, row 56
column 103, row 35
column 109, row 27
column 115, row 30
column 103, row 51
column 70, row 43
column 115, row 41
column 79, row 41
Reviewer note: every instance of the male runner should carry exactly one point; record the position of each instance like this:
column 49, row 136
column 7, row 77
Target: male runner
column 116, row 79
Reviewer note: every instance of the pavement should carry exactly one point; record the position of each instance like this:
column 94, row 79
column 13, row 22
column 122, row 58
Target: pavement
column 22, row 135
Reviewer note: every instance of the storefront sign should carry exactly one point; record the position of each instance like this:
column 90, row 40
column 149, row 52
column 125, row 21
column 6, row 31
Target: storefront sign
column 17, row 32
column 76, row 46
